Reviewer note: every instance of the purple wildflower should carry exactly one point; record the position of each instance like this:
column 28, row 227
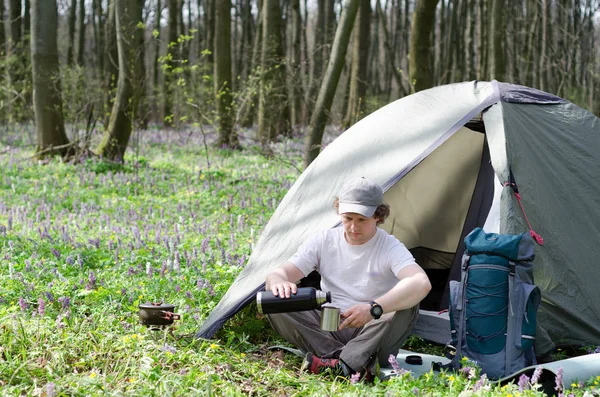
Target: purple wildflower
column 168, row 348
column 123, row 291
column 205, row 245
column 91, row 281
column 50, row 390
column 56, row 253
column 65, row 302
column 177, row 288
column 536, row 375
column 480, row 383
column 131, row 271
column 41, row 307
column 188, row 295
column 468, row 372
column 559, row 380
column 416, row 391
column 523, row 382
column 392, row 360
column 23, row 304
column 49, row 296
column 354, row 378
column 70, row 260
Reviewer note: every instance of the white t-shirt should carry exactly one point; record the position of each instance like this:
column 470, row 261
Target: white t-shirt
column 353, row 273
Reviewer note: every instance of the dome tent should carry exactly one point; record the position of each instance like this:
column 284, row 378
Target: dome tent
column 443, row 157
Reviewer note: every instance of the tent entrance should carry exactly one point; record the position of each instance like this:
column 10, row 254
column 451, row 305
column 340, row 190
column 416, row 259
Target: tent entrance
column 438, row 202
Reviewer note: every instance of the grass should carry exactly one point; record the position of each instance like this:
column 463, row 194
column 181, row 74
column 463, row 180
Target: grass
column 83, row 244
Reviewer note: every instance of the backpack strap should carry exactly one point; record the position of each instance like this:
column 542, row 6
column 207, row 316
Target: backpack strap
column 464, row 276
column 510, row 320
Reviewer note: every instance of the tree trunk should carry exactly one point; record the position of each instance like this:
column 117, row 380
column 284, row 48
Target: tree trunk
column 26, row 19
column 294, row 70
column 156, row 66
column 111, row 64
column 329, row 85
column 482, row 23
column 2, row 35
column 272, row 103
column 497, row 32
column 316, row 66
column 71, row 32
column 248, row 107
column 223, row 95
column 14, row 24
column 167, row 114
column 209, row 26
column 359, row 75
column 98, row 35
column 114, row 142
column 81, row 37
column 420, row 44
column 389, row 52
column 49, row 125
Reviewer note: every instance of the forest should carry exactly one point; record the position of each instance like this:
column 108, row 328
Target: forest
column 86, row 73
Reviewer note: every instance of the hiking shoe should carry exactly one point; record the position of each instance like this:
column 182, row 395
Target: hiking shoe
column 316, row 365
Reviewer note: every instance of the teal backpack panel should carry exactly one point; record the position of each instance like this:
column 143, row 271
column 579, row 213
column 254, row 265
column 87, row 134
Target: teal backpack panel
column 493, row 308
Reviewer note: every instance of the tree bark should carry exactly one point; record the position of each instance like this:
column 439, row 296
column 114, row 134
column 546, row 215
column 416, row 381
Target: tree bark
column 389, row 51
column 273, row 117
column 114, row 142
column 111, row 64
column 71, row 32
column 98, row 34
column 49, row 125
column 294, row 69
column 14, row 24
column 223, row 74
column 81, row 37
column 2, row 35
column 168, row 118
column 329, row 85
column 359, row 75
column 209, row 26
column 421, row 73
column 156, row 66
column 497, row 59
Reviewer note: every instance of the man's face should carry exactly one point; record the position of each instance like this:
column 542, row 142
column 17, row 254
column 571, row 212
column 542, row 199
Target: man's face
column 359, row 229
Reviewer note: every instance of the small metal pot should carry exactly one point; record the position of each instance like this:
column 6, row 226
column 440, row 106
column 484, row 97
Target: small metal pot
column 157, row 314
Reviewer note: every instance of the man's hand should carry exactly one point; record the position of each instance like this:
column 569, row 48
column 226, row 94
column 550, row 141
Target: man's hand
column 356, row 316
column 284, row 289
column 282, row 280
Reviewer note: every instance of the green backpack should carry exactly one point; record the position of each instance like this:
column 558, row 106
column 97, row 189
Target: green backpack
column 493, row 307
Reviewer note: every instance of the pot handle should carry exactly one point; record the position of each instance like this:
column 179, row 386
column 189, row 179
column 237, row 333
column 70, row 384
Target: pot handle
column 170, row 315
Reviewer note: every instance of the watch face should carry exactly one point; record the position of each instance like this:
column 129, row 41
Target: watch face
column 376, row 311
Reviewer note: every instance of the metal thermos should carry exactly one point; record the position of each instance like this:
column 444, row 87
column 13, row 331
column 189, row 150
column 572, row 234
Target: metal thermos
column 304, row 299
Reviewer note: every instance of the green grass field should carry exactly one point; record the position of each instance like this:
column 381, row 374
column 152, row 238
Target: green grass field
column 83, row 244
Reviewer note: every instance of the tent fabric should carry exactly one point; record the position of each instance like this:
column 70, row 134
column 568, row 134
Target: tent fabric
column 555, row 164
column 432, row 161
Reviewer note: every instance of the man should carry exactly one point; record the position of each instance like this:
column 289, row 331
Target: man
column 372, row 277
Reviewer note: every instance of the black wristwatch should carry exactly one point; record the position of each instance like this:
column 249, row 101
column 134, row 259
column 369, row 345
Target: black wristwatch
column 376, row 310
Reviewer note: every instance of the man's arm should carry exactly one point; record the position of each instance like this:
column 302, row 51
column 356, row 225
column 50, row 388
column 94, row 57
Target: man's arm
column 412, row 287
column 282, row 280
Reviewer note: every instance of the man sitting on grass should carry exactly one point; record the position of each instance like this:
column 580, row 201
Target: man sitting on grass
column 372, row 277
